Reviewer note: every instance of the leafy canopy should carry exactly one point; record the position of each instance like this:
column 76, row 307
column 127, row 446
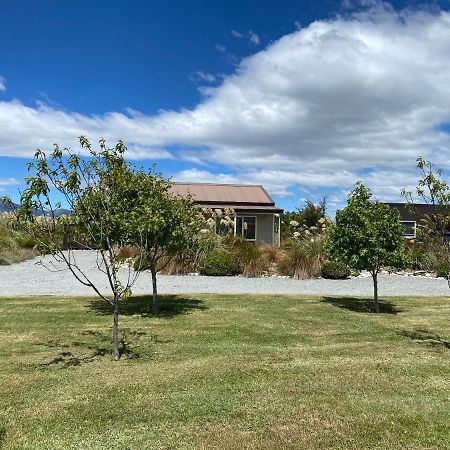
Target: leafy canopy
column 434, row 227
column 165, row 223
column 367, row 234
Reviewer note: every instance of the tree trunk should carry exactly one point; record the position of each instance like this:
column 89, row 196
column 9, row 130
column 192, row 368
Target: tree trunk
column 116, row 330
column 375, row 292
column 155, row 303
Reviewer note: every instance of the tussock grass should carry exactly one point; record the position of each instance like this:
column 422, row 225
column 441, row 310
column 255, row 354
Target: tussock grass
column 15, row 246
column 225, row 372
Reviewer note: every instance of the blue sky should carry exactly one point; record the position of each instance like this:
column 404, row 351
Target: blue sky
column 303, row 97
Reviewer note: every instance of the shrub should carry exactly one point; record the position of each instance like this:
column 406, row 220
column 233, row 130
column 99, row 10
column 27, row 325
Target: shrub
column 15, row 245
column 335, row 270
column 252, row 261
column 188, row 260
column 126, row 252
column 419, row 256
column 442, row 271
column 272, row 253
column 219, row 262
column 303, row 258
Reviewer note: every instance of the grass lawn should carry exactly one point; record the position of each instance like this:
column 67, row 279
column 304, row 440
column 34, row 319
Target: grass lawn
column 226, row 372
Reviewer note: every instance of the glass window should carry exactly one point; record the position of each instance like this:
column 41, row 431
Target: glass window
column 410, row 228
column 249, row 228
column 246, row 227
column 239, row 220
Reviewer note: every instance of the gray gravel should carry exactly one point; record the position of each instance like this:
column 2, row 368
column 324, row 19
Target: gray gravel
column 30, row 278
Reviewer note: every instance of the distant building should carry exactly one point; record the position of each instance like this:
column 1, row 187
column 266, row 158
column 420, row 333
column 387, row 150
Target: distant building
column 412, row 215
column 256, row 216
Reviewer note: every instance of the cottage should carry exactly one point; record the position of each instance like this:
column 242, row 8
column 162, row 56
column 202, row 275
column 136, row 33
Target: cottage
column 411, row 216
column 256, row 216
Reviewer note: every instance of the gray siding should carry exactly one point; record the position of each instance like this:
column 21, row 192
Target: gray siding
column 264, row 229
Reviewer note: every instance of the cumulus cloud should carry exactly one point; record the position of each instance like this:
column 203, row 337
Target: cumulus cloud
column 315, row 184
column 356, row 97
column 2, row 84
column 6, row 182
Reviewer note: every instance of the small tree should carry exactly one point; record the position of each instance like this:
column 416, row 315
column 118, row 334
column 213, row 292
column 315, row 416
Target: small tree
column 367, row 236
column 308, row 216
column 434, row 228
column 95, row 190
column 165, row 225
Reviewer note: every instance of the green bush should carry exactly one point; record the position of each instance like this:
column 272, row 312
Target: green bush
column 420, row 257
column 219, row 262
column 334, row 270
column 188, row 260
column 442, row 271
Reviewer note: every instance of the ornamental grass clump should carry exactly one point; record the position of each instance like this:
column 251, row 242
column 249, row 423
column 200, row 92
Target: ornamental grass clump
column 15, row 245
column 304, row 254
column 252, row 261
column 303, row 258
column 188, row 259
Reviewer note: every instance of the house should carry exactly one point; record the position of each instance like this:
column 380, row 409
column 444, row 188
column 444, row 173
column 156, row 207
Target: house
column 411, row 216
column 255, row 215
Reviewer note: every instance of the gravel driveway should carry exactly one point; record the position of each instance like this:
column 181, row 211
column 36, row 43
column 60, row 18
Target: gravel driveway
column 29, row 278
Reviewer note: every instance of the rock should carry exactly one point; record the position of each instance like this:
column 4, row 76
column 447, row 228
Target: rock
column 419, row 272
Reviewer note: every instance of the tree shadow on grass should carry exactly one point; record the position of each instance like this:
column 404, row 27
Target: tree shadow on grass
column 96, row 344
column 362, row 305
column 426, row 337
column 170, row 306
column 2, row 436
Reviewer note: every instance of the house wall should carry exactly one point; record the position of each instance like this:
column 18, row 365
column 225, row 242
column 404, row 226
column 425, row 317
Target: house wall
column 264, row 229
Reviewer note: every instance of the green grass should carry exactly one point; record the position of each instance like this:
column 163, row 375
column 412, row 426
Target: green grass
column 226, row 372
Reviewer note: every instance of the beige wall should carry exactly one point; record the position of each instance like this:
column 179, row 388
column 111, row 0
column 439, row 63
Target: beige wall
column 264, row 227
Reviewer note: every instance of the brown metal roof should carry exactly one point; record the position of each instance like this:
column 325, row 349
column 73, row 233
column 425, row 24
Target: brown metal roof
column 245, row 208
column 224, row 194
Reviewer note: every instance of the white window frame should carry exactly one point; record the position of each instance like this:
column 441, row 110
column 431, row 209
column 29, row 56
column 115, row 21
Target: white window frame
column 242, row 231
column 410, row 236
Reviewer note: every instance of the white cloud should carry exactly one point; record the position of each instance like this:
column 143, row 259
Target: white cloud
column 204, row 176
column 2, row 84
column 356, row 97
column 253, row 38
column 386, row 184
column 203, row 76
column 221, row 48
column 5, row 182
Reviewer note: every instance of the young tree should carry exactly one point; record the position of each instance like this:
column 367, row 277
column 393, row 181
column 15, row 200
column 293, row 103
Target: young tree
column 308, row 216
column 95, row 190
column 367, row 235
column 165, row 225
column 434, row 228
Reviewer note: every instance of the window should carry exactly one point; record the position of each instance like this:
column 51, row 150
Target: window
column 410, row 228
column 246, row 227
